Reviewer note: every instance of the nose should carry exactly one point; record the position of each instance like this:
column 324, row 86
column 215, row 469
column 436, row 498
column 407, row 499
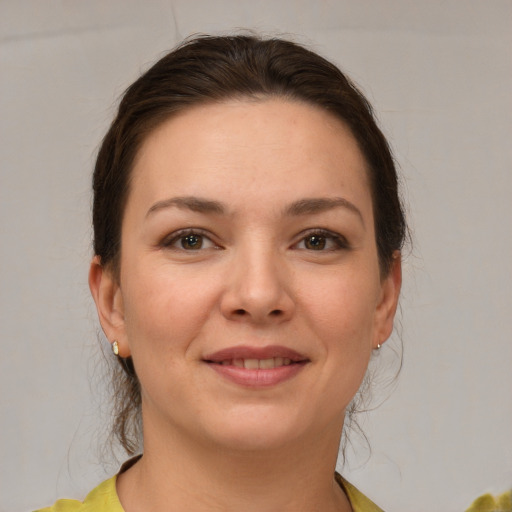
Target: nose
column 258, row 289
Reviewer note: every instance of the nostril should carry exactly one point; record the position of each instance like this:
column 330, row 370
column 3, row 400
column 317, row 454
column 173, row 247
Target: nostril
column 240, row 312
column 276, row 312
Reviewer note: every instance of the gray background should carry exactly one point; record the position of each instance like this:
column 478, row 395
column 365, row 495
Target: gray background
column 440, row 76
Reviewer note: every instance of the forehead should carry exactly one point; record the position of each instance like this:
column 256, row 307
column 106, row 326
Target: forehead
column 248, row 145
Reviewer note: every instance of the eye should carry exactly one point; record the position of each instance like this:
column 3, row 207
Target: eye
column 322, row 240
column 188, row 240
column 315, row 242
column 192, row 242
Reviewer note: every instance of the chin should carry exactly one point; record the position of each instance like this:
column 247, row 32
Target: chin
column 255, row 439
column 258, row 430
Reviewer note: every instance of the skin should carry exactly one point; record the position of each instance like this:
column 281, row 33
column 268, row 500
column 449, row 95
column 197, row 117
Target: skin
column 259, row 279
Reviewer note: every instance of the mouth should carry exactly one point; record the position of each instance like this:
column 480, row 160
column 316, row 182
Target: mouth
column 257, row 366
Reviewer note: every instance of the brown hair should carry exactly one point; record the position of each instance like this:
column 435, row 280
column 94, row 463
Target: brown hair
column 208, row 69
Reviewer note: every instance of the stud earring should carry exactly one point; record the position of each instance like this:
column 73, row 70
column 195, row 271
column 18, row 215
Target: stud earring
column 376, row 348
column 115, row 348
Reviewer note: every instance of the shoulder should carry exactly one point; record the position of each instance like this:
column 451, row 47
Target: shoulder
column 359, row 502
column 101, row 499
column 490, row 503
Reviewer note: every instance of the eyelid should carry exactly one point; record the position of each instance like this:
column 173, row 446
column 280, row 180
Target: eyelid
column 169, row 240
column 339, row 240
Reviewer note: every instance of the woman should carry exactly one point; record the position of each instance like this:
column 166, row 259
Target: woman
column 247, row 237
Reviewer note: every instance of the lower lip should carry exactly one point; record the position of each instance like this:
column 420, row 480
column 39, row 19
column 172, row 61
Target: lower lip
column 258, row 378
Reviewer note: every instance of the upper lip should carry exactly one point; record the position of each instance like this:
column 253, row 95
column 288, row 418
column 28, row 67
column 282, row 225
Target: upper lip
column 248, row 352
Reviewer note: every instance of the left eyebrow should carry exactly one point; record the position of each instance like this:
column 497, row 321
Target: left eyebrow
column 321, row 204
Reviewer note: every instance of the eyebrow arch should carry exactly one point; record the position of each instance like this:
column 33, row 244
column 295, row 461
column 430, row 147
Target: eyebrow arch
column 321, row 204
column 301, row 207
column 196, row 204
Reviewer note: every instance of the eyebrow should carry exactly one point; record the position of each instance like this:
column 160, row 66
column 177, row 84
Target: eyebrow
column 321, row 204
column 196, row 204
column 307, row 206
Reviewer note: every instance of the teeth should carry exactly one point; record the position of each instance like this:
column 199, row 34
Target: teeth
column 267, row 363
column 254, row 364
column 251, row 364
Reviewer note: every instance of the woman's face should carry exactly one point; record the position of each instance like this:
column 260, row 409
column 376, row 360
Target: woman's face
column 249, row 296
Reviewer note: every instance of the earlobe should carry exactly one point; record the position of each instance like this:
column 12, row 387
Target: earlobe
column 108, row 298
column 388, row 303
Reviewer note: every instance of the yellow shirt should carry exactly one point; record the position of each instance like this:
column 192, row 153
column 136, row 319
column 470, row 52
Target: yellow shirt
column 489, row 503
column 104, row 499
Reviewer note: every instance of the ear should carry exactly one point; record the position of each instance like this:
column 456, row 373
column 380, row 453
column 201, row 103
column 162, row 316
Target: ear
column 108, row 297
column 388, row 301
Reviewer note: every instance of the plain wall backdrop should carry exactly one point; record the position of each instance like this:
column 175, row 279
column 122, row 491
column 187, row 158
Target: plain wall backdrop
column 439, row 74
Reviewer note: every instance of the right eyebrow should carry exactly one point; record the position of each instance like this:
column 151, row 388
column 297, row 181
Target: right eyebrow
column 196, row 204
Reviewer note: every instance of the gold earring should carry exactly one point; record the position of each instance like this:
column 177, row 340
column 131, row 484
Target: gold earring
column 115, row 348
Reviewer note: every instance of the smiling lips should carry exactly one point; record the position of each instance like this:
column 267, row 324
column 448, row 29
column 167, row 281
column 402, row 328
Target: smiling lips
column 257, row 366
column 254, row 364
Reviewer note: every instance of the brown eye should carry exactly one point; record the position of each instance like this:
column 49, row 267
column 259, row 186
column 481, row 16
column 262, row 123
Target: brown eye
column 321, row 240
column 188, row 240
column 192, row 242
column 315, row 242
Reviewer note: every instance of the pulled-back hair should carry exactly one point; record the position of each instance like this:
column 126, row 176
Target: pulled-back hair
column 210, row 69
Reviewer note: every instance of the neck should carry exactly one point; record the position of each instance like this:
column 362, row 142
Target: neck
column 182, row 474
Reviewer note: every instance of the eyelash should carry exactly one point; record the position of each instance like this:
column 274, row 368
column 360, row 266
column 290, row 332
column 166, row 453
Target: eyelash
column 340, row 242
column 323, row 235
column 182, row 234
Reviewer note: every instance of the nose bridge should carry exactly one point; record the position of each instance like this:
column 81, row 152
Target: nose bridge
column 258, row 286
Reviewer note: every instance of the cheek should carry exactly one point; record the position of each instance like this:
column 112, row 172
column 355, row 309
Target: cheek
column 340, row 310
column 164, row 309
column 341, row 306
